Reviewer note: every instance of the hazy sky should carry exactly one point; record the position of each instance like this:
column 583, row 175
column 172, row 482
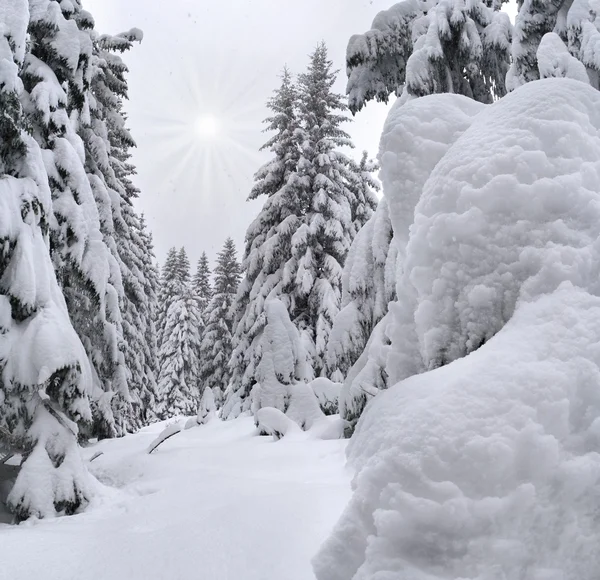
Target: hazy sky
column 216, row 60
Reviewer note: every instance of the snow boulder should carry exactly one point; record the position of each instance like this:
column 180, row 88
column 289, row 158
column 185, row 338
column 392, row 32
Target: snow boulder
column 511, row 211
column 272, row 421
column 416, row 136
column 487, row 467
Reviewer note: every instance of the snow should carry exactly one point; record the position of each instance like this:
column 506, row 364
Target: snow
column 554, row 60
column 216, row 502
column 486, row 467
column 513, row 220
column 523, row 409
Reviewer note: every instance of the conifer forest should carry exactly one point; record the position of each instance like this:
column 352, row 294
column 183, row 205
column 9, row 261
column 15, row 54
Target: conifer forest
column 358, row 340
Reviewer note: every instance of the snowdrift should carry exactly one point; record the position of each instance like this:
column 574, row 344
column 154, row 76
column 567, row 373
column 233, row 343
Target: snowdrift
column 487, row 467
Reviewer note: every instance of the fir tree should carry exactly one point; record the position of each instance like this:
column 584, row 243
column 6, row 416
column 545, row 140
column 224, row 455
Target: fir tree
column 201, row 283
column 107, row 142
column 182, row 269
column 425, row 48
column 268, row 239
column 216, row 347
column 44, row 371
column 364, row 188
column 179, row 371
column 57, row 79
column 148, row 394
column 322, row 181
column 169, row 288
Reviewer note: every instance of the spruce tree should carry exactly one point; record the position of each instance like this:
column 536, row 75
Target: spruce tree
column 57, row 79
column 323, row 180
column 44, row 371
column 216, row 346
column 268, row 241
column 148, row 394
column 425, row 48
column 201, row 283
column 179, row 371
column 364, row 188
column 179, row 350
column 107, row 142
column 169, row 288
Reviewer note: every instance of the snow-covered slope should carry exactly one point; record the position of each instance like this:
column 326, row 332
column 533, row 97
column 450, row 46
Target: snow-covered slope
column 487, row 468
column 213, row 502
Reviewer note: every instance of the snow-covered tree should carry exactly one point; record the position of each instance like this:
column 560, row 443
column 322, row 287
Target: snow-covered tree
column 575, row 23
column 282, row 359
column 201, row 283
column 45, row 375
column 207, row 409
column 179, row 371
column 368, row 286
column 216, row 347
column 364, row 188
column 169, row 289
column 323, row 183
column 148, row 392
column 107, row 143
column 57, row 76
column 317, row 199
column 268, row 239
column 431, row 47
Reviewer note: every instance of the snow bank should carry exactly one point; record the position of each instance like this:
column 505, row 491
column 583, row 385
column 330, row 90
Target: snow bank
column 487, row 467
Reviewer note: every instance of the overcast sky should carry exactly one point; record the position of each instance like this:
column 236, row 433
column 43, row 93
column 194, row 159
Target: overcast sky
column 221, row 60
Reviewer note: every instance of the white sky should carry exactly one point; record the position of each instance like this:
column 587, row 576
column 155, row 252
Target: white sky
column 220, row 59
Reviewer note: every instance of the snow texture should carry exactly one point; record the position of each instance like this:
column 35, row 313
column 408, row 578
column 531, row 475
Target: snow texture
column 504, row 257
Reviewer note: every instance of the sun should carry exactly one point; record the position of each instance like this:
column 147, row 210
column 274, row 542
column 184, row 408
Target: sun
column 207, row 126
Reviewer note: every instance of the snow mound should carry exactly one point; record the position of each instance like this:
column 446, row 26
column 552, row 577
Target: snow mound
column 273, row 422
column 416, row 135
column 487, row 467
column 511, row 211
column 555, row 60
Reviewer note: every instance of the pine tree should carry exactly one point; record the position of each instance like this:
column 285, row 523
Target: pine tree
column 182, row 269
column 44, row 371
column 282, row 361
column 577, row 28
column 107, row 142
column 180, row 346
column 169, row 288
column 148, row 394
column 216, row 347
column 201, row 283
column 179, row 371
column 323, row 181
column 268, row 240
column 425, row 48
column 57, row 79
column 364, row 188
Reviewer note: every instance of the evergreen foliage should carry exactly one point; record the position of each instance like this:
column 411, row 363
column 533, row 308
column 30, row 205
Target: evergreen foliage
column 216, row 346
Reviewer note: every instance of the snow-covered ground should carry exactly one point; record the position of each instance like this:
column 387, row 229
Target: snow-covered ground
column 213, row 502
